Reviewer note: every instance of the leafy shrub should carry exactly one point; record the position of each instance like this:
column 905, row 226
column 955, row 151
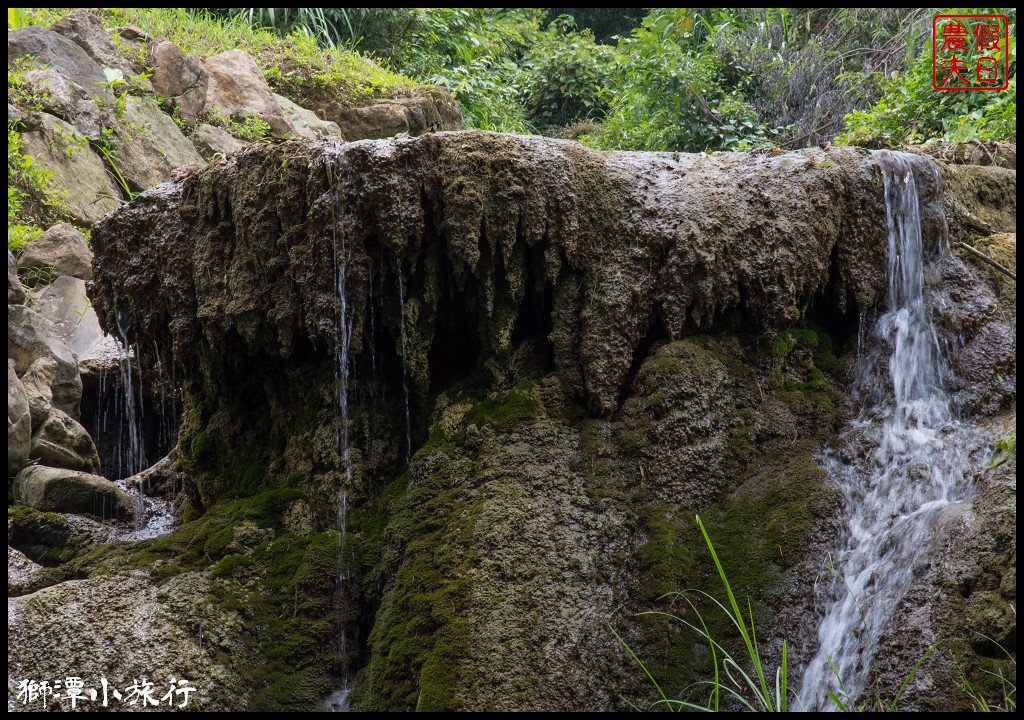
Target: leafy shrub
column 912, row 111
column 476, row 53
column 30, row 202
column 249, row 127
column 568, row 75
column 668, row 95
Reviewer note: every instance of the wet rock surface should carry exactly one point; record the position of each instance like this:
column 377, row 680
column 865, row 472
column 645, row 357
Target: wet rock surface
column 69, row 491
column 617, row 237
column 588, row 349
column 963, row 604
column 125, row 627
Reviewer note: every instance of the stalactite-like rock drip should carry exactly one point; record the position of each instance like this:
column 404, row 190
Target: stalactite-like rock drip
column 609, row 244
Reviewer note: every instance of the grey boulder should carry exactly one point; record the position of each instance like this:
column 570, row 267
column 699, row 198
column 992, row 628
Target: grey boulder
column 61, row 250
column 62, row 443
column 71, row 491
column 19, row 423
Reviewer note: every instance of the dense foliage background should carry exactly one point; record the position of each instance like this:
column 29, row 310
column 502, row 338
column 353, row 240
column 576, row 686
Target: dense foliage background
column 686, row 79
column 678, row 79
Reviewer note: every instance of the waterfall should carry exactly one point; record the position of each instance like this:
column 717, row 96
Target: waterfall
column 131, row 451
column 899, row 464
column 338, row 700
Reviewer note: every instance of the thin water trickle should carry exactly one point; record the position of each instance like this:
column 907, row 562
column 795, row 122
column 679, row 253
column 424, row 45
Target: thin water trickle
column 405, row 378
column 337, row 701
column 900, row 463
column 132, row 457
column 371, row 445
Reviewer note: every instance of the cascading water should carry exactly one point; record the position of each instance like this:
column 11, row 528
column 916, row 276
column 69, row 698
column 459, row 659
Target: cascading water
column 133, row 453
column 338, row 700
column 900, row 463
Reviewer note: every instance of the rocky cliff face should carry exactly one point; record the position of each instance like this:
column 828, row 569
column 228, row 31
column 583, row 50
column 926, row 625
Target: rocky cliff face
column 578, row 351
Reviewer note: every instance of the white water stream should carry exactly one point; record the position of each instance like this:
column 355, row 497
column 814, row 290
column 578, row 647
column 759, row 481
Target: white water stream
column 900, row 463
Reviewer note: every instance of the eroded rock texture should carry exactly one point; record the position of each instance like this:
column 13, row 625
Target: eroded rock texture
column 579, row 351
column 606, row 245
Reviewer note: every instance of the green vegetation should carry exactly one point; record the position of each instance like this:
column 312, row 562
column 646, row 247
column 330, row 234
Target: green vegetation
column 1003, row 450
column 749, row 680
column 675, row 79
column 248, row 128
column 744, row 681
column 290, row 606
column 845, row 703
column 1006, row 699
column 30, row 201
column 295, row 66
column 910, row 110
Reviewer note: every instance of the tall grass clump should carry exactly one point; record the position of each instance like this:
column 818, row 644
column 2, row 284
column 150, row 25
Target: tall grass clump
column 744, row 680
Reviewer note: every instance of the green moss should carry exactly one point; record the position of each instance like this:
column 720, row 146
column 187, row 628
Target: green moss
column 503, row 408
column 421, row 631
column 293, row 617
column 667, row 558
column 45, row 537
column 764, row 523
column 229, row 565
column 201, row 447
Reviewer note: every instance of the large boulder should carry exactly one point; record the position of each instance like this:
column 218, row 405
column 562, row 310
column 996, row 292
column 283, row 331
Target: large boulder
column 31, row 337
column 431, row 111
column 147, row 157
column 15, row 292
column 123, row 621
column 19, row 423
column 87, row 31
column 61, row 250
column 237, row 88
column 36, row 381
column 62, row 443
column 71, row 491
column 78, row 173
column 306, row 123
column 211, row 140
column 66, row 99
column 179, row 77
column 65, row 304
column 46, row 48
column 50, row 538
